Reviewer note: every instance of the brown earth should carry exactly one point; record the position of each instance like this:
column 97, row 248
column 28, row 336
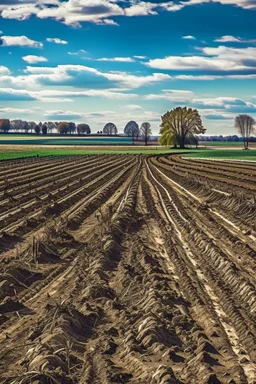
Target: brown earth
column 127, row 269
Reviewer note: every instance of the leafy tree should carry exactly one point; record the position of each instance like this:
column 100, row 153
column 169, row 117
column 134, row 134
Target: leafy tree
column 63, row 128
column 5, row 125
column 178, row 124
column 44, row 129
column 37, row 129
column 132, row 129
column 110, row 129
column 31, row 126
column 83, row 129
column 145, row 131
column 71, row 127
column 245, row 125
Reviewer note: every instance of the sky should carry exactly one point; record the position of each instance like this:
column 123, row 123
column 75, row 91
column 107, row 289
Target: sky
column 99, row 61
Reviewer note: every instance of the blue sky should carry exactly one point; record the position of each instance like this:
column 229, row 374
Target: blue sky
column 97, row 61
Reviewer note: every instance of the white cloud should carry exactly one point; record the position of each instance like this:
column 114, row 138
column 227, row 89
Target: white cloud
column 228, row 39
column 118, row 59
column 220, row 58
column 56, row 40
column 68, row 74
column 133, row 107
column 18, row 111
column 81, row 51
column 140, row 57
column 72, row 12
column 176, row 95
column 233, row 39
column 4, row 70
column 247, row 4
column 50, row 95
column 21, row 41
column 223, row 104
column 32, row 59
column 128, row 80
column 194, row 77
column 189, row 37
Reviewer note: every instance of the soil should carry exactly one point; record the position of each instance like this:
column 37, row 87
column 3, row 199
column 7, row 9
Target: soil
column 127, row 269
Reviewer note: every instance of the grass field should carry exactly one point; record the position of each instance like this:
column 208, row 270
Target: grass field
column 216, row 154
column 6, row 153
column 69, row 140
column 19, row 151
column 221, row 143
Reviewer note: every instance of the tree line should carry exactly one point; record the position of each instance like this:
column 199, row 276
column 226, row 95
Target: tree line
column 131, row 129
column 179, row 127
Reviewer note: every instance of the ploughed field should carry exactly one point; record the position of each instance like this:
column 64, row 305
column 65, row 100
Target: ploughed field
column 127, row 269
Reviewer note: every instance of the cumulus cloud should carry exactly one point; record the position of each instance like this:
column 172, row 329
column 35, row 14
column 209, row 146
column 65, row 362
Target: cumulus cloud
column 4, row 70
column 80, row 75
column 32, row 59
column 50, row 95
column 187, row 97
column 72, row 12
column 56, row 40
column 220, row 58
column 21, row 41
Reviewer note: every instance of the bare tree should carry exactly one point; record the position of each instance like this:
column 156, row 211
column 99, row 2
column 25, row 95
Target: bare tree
column 145, row 131
column 20, row 125
column 110, row 129
column 132, row 129
column 31, row 126
column 245, row 125
column 50, row 126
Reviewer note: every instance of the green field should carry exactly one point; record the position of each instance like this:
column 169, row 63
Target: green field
column 238, row 154
column 221, row 154
column 5, row 154
column 68, row 140
column 221, row 143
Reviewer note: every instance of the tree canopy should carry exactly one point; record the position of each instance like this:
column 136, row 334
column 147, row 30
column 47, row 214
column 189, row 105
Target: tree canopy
column 132, row 129
column 4, row 125
column 63, row 128
column 180, row 124
column 83, row 129
column 110, row 129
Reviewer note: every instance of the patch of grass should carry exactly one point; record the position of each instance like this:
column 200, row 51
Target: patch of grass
column 230, row 154
column 221, row 143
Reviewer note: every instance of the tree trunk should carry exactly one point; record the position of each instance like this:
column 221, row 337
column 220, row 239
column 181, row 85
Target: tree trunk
column 182, row 142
